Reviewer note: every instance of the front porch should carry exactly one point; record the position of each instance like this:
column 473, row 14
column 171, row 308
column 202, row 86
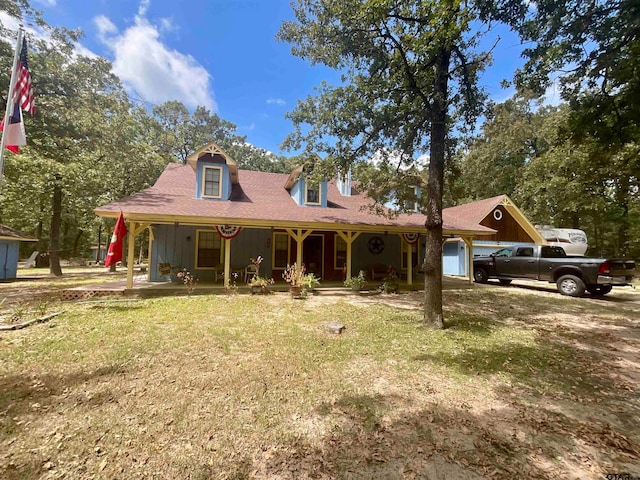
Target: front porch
column 143, row 288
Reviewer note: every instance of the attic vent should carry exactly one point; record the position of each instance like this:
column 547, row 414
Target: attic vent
column 497, row 214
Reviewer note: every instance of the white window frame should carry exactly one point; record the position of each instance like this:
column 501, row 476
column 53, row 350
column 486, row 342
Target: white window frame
column 204, row 181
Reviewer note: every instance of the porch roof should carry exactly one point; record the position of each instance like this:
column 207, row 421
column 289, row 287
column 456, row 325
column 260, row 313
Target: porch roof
column 260, row 200
column 8, row 233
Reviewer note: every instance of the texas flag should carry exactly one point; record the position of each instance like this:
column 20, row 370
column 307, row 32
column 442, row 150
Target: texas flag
column 115, row 247
column 15, row 134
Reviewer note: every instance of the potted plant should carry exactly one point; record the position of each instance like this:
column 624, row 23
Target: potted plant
column 356, row 283
column 259, row 285
column 189, row 281
column 391, row 283
column 293, row 275
column 309, row 283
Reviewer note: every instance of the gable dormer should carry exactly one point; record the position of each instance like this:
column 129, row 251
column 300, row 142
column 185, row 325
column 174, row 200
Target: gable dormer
column 408, row 199
column 305, row 192
column 216, row 172
column 343, row 183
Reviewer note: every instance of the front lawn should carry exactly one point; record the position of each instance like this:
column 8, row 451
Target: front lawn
column 522, row 384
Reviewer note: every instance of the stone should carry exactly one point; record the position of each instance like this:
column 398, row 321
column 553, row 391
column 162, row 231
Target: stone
column 335, row 327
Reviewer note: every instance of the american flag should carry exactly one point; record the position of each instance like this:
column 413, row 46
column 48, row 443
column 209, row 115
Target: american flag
column 23, row 91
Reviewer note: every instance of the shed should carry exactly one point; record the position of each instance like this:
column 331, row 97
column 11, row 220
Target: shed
column 10, row 249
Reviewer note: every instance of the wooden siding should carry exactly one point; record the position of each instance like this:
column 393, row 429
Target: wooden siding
column 508, row 228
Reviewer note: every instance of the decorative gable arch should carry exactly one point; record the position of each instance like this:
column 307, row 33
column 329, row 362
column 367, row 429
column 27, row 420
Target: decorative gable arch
column 214, row 151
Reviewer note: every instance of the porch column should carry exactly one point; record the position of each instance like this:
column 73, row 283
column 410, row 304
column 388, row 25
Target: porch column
column 348, row 238
column 468, row 241
column 130, row 246
column 134, row 230
column 227, row 262
column 299, row 235
column 409, row 264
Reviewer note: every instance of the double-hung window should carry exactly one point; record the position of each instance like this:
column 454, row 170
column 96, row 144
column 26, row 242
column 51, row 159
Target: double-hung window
column 208, row 249
column 211, row 182
column 312, row 196
column 412, row 205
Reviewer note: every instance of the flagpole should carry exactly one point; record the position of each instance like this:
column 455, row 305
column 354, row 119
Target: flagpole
column 8, row 109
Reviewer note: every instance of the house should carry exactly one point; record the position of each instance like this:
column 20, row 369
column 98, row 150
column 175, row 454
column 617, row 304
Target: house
column 9, row 251
column 499, row 213
column 210, row 217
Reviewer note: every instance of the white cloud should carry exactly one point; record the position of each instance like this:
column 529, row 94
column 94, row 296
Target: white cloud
column 47, row 3
column 105, row 27
column 143, row 8
column 276, row 101
column 167, row 25
column 149, row 67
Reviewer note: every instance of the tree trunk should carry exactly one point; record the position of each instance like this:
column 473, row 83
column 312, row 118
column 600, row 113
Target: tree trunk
column 54, row 241
column 433, row 316
column 76, row 242
column 99, row 243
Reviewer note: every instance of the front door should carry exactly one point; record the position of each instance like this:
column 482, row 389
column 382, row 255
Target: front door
column 313, row 254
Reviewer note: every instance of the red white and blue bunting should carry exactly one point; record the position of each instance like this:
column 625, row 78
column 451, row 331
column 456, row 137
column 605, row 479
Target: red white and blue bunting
column 228, row 231
column 411, row 238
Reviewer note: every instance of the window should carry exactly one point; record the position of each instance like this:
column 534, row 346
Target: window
column 208, row 249
column 211, row 182
column 340, row 252
column 411, row 205
column 415, row 255
column 525, row 252
column 312, row 195
column 280, row 250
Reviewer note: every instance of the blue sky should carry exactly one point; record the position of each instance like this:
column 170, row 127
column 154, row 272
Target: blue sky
column 218, row 53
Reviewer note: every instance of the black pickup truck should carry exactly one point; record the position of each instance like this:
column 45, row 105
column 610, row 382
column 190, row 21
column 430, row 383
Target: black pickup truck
column 572, row 275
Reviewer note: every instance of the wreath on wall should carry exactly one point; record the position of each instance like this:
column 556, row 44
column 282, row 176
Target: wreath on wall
column 376, row 245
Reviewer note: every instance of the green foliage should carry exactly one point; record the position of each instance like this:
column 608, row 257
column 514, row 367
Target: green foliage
column 309, row 282
column 556, row 176
column 409, row 72
column 358, row 282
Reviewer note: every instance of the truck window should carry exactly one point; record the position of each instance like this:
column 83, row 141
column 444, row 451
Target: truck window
column 525, row 252
column 505, row 252
column 552, row 252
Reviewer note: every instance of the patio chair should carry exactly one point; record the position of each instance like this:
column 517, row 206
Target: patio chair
column 250, row 272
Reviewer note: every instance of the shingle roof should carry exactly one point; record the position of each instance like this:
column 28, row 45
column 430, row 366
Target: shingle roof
column 475, row 212
column 261, row 199
column 10, row 233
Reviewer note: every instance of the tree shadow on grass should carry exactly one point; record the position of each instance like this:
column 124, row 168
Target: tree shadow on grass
column 386, row 437
column 21, row 395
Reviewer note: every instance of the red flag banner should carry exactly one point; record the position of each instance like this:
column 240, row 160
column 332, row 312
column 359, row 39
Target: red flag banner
column 117, row 242
column 411, row 238
column 228, row 231
column 23, row 91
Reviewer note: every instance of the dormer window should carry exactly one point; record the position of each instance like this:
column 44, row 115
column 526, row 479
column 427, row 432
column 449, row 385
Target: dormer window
column 211, row 184
column 410, row 205
column 312, row 196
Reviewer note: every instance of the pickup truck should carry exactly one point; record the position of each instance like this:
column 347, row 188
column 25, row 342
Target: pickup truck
column 572, row 275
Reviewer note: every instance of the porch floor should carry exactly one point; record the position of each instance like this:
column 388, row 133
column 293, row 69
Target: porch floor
column 143, row 288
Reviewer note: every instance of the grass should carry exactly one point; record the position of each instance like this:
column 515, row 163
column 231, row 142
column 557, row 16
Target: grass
column 255, row 387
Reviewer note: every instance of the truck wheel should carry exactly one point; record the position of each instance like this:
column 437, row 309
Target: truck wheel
column 599, row 289
column 570, row 285
column 505, row 281
column 480, row 275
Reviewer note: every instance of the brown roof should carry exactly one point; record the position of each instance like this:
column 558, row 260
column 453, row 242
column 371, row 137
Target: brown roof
column 475, row 212
column 10, row 233
column 261, row 199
